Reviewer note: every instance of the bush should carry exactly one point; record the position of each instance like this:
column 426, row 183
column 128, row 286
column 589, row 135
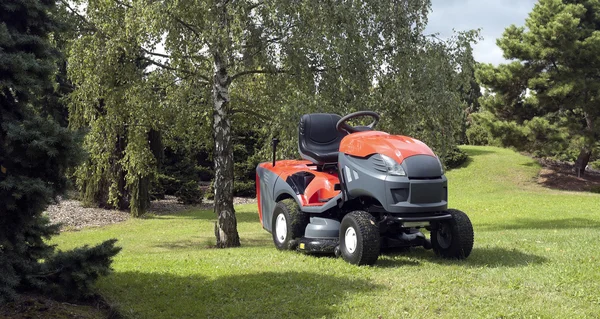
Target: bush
column 244, row 189
column 595, row 165
column 189, row 193
column 205, row 174
column 71, row 275
column 477, row 135
column 454, row 158
column 210, row 192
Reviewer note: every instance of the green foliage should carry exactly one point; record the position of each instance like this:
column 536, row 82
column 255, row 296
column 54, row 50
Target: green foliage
column 244, row 189
column 595, row 165
column 538, row 135
column 454, row 158
column 547, row 97
column 36, row 151
column 477, row 134
column 189, row 193
column 71, row 275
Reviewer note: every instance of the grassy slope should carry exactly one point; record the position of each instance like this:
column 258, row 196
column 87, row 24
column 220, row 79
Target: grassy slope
column 536, row 254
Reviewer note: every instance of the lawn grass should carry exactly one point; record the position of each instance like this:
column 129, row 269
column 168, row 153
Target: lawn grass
column 536, row 254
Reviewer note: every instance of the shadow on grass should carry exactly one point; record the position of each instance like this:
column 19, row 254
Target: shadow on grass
column 466, row 163
column 184, row 244
column 491, row 257
column 208, row 242
column 531, row 164
column 529, row 223
column 254, row 295
column 471, row 153
column 242, row 217
column 477, row 152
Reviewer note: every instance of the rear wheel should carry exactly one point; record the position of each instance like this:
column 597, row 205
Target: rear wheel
column 453, row 239
column 288, row 224
column 359, row 238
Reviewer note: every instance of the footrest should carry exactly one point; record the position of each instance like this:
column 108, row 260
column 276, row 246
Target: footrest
column 318, row 245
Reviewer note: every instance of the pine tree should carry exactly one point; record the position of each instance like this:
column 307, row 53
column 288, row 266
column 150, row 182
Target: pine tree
column 35, row 152
column 549, row 95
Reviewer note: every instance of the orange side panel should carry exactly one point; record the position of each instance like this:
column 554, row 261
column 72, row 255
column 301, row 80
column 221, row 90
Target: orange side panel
column 258, row 199
column 398, row 147
column 322, row 187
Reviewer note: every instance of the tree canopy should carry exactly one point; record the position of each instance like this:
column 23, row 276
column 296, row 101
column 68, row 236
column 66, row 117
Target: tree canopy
column 194, row 71
column 548, row 99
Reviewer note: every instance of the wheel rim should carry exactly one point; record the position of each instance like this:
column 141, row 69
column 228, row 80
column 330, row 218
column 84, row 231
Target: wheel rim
column 444, row 236
column 350, row 239
column 280, row 228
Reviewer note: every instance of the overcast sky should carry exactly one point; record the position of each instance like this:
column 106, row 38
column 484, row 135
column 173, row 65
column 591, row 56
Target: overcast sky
column 492, row 16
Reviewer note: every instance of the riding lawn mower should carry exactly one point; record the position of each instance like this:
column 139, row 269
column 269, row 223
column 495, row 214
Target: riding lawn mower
column 357, row 192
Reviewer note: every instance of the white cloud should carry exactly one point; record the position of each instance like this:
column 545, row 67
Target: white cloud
column 492, row 16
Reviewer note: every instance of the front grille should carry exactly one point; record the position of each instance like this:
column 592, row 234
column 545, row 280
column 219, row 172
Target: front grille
column 426, row 193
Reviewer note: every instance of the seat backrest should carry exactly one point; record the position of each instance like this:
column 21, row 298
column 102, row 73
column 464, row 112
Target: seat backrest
column 318, row 140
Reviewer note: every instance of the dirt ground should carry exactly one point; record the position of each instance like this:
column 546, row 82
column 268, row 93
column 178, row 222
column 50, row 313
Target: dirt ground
column 30, row 306
column 561, row 176
column 72, row 216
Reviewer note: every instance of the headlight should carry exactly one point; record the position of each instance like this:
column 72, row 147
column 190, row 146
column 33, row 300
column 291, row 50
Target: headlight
column 441, row 166
column 393, row 168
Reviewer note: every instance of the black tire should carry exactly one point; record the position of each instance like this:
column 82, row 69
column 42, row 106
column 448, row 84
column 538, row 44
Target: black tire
column 367, row 239
column 295, row 224
column 453, row 239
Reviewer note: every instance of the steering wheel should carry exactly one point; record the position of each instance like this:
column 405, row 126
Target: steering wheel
column 342, row 126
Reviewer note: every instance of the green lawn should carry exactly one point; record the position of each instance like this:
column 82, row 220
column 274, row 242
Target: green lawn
column 536, row 254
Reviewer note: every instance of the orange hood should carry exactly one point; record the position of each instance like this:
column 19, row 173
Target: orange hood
column 398, row 147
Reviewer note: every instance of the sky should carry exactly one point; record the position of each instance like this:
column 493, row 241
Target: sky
column 492, row 16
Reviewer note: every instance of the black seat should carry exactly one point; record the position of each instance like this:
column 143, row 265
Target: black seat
column 318, row 140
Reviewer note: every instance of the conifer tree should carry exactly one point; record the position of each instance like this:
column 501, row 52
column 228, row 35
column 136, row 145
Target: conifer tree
column 35, row 152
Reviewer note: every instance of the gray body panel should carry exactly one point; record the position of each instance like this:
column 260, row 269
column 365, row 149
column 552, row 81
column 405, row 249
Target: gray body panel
column 322, row 228
column 423, row 190
column 267, row 181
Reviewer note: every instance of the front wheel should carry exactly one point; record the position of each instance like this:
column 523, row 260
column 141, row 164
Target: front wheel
column 359, row 238
column 453, row 239
column 288, row 224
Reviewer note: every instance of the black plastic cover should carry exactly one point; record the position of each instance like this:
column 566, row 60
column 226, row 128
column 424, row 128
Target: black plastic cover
column 299, row 181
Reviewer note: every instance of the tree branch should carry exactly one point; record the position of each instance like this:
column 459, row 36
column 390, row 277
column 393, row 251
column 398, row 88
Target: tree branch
column 247, row 72
column 82, row 18
column 254, row 6
column 555, row 66
column 275, row 71
column 167, row 67
column 126, row 5
column 250, row 112
column 157, row 54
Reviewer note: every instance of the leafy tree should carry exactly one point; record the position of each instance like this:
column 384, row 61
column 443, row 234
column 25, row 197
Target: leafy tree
column 553, row 87
column 35, row 152
column 233, row 62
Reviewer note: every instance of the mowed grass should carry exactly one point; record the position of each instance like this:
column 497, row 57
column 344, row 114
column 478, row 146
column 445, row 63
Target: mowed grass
column 536, row 254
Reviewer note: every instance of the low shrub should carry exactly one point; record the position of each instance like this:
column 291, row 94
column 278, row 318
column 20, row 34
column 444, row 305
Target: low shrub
column 189, row 193
column 454, row 158
column 244, row 189
column 478, row 135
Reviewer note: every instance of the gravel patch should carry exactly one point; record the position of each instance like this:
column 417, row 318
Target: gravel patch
column 72, row 216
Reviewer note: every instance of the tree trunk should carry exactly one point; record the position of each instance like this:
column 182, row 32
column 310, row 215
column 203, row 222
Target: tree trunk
column 582, row 161
column 586, row 152
column 226, row 225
